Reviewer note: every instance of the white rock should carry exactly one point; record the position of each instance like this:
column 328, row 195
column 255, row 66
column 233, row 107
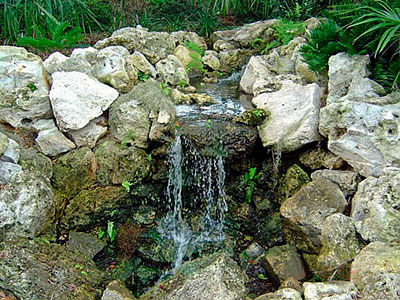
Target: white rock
column 7, row 170
column 343, row 70
column 142, row 64
column 43, row 125
column 335, row 290
column 55, row 62
column 211, row 60
column 172, row 70
column 27, row 204
column 365, row 135
column 375, row 207
column 110, row 68
column 52, row 142
column 12, row 151
column 81, row 60
column 293, row 122
column 346, row 180
column 257, row 68
column 24, row 87
column 77, row 99
column 89, row 135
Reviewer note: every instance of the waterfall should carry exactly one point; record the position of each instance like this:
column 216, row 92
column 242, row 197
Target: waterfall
column 204, row 178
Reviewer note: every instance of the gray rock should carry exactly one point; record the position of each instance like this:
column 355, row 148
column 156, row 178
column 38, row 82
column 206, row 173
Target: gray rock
column 77, row 99
column 90, row 134
column 172, row 70
column 142, row 64
column 27, row 204
column 318, row 158
column 282, row 262
column 376, row 271
column 7, row 170
column 81, row 60
column 365, row 135
column 346, row 180
column 52, row 142
column 375, row 207
column 3, row 143
column 24, row 87
column 232, row 59
column 184, row 37
column 211, row 60
column 335, row 290
column 49, row 271
column 89, row 245
column 55, row 62
column 117, row 291
column 305, row 212
column 339, row 242
column 254, row 251
column 256, row 68
column 33, row 161
column 244, row 35
column 110, row 68
column 273, row 83
column 43, row 125
column 143, row 114
column 343, row 70
column 12, row 152
column 215, row 277
column 154, row 45
column 293, row 122
column 282, row 294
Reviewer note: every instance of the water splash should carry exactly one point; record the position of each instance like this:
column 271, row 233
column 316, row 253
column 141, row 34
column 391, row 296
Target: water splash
column 204, row 178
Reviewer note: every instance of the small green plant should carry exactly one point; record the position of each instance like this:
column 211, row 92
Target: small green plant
column 100, row 233
column 164, row 88
column 111, row 232
column 127, row 185
column 181, row 83
column 209, row 123
column 128, row 138
column 193, row 46
column 32, row 87
column 250, row 183
column 143, row 76
column 149, row 158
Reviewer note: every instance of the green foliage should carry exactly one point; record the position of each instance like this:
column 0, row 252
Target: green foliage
column 127, row 185
column 164, row 88
column 61, row 36
column 28, row 17
column 128, row 138
column 111, row 232
column 285, row 31
column 249, row 182
column 143, row 76
column 194, row 47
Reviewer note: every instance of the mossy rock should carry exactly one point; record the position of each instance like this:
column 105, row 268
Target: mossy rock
column 94, row 206
column 74, row 172
column 49, row 271
column 32, row 160
column 252, row 117
column 154, row 248
column 117, row 163
column 270, row 230
column 294, row 179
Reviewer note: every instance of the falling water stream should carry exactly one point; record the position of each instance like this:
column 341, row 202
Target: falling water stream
column 205, row 176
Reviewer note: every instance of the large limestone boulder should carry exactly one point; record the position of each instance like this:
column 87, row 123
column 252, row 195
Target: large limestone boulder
column 293, row 122
column 74, row 171
column 365, row 135
column 24, row 87
column 304, row 213
column 172, row 70
column 282, row 262
column 116, row 163
column 335, row 290
column 245, row 35
column 142, row 115
column 339, row 243
column 110, row 68
column 343, row 71
column 256, row 68
column 37, row 269
column 215, row 277
column 27, row 205
column 376, row 271
column 77, row 99
column 154, row 45
column 375, row 207
column 346, row 180
column 282, row 294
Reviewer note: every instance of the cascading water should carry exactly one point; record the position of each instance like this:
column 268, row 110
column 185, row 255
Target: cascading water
column 204, row 177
